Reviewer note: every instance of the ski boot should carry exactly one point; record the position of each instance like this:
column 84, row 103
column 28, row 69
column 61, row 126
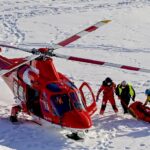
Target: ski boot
column 14, row 112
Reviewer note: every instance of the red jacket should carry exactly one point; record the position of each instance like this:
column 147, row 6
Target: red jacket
column 108, row 91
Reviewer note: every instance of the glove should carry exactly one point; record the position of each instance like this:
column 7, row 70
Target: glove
column 133, row 98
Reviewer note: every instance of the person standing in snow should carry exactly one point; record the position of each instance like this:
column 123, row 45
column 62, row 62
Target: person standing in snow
column 125, row 92
column 108, row 88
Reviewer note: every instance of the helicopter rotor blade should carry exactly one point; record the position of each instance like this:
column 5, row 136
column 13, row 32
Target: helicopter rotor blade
column 80, row 34
column 61, row 44
column 102, row 63
column 17, row 48
column 35, row 51
column 6, row 66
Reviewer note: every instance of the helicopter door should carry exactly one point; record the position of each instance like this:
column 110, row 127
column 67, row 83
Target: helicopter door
column 19, row 91
column 33, row 101
column 88, row 98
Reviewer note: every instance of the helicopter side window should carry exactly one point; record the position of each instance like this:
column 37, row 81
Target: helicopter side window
column 15, row 89
column 71, row 84
column 53, row 87
column 21, row 93
column 61, row 104
column 33, row 102
column 76, row 101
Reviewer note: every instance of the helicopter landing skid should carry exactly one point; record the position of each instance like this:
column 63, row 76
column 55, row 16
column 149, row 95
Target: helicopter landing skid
column 74, row 136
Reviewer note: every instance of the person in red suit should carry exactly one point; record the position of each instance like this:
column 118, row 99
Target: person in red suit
column 108, row 88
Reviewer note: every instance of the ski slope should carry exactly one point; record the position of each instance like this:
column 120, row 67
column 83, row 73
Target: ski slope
column 125, row 40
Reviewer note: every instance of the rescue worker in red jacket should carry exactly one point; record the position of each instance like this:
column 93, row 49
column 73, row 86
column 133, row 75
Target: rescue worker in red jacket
column 108, row 88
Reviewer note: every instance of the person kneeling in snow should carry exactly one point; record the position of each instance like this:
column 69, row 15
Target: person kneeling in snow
column 125, row 91
column 147, row 92
column 108, row 88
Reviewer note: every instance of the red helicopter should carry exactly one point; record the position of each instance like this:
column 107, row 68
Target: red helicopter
column 46, row 94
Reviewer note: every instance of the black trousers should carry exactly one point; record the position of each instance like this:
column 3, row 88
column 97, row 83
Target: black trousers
column 124, row 103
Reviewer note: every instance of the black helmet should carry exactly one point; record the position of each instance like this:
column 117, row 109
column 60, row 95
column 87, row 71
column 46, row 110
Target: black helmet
column 108, row 81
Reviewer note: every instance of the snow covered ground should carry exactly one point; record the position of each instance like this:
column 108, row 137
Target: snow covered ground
column 125, row 40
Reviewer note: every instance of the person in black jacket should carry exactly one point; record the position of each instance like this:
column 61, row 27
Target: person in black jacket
column 125, row 92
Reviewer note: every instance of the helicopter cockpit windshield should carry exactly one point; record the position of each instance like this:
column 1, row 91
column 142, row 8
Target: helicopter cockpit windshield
column 76, row 98
column 61, row 104
column 64, row 103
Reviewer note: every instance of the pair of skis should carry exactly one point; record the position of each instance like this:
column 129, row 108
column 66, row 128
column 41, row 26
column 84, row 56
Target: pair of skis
column 50, row 52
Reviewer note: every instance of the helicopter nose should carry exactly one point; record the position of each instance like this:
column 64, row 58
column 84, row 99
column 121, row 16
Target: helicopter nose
column 77, row 119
